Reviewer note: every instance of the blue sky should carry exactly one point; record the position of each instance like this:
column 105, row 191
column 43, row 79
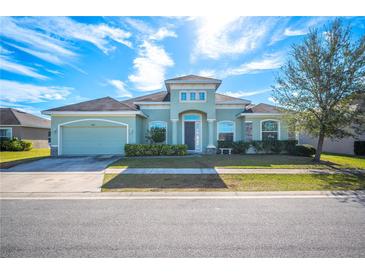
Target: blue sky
column 52, row 61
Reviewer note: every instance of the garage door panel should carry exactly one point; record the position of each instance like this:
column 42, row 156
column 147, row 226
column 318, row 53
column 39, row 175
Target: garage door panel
column 93, row 140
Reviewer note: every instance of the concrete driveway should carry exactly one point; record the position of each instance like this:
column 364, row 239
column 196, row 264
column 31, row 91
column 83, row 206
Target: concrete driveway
column 71, row 174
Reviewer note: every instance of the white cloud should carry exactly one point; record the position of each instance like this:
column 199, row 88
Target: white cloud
column 120, row 86
column 148, row 32
column 46, row 56
column 99, row 35
column 150, row 66
column 8, row 65
column 208, row 73
column 14, row 29
column 162, row 33
column 293, row 32
column 241, row 94
column 272, row 100
column 52, row 38
column 268, row 62
column 299, row 28
column 219, row 36
column 12, row 91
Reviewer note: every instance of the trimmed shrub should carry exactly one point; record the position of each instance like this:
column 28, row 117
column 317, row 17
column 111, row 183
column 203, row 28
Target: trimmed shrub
column 274, row 146
column 359, row 148
column 15, row 144
column 239, row 147
column 304, row 150
column 155, row 150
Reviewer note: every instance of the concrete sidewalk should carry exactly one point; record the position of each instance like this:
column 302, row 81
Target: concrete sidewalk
column 223, row 171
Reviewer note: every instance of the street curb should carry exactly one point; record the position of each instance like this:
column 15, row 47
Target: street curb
column 183, row 195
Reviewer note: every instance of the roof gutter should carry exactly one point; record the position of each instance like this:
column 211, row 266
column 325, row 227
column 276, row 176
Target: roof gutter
column 260, row 114
column 99, row 113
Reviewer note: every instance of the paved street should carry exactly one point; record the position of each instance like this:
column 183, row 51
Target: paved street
column 270, row 227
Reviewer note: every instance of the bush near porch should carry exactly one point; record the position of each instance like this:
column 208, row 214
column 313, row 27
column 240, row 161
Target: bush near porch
column 274, row 146
column 155, row 150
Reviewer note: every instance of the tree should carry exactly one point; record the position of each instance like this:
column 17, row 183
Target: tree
column 320, row 82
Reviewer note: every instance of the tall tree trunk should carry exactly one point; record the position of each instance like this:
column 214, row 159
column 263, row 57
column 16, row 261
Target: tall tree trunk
column 317, row 157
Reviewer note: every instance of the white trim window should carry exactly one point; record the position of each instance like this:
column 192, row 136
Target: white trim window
column 270, row 130
column 183, row 96
column 248, row 131
column 159, row 124
column 6, row 133
column 192, row 96
column 225, row 131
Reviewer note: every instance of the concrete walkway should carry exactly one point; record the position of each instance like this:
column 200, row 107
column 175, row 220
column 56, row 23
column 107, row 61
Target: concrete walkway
column 222, row 171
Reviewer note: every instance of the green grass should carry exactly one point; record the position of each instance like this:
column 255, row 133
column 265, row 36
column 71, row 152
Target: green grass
column 344, row 161
column 219, row 161
column 36, row 153
column 225, row 182
column 240, row 161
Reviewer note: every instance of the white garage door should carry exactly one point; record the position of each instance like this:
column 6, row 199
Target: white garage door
column 93, row 140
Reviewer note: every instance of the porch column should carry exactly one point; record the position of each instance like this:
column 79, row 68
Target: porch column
column 174, row 131
column 211, row 133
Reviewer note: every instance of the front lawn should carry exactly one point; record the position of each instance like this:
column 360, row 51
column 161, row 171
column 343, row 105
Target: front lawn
column 236, row 182
column 239, row 161
column 35, row 153
column 344, row 161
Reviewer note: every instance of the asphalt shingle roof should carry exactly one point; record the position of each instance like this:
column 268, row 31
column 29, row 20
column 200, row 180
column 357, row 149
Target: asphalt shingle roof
column 262, row 108
column 11, row 116
column 101, row 104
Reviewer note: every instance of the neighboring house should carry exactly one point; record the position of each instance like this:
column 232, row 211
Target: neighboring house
column 25, row 126
column 190, row 110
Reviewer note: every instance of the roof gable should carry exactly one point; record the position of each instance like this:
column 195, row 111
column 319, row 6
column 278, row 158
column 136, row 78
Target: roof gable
column 192, row 77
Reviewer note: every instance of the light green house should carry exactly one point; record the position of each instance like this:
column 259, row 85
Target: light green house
column 191, row 111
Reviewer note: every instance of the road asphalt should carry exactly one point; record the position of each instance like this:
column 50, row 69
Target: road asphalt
column 270, row 227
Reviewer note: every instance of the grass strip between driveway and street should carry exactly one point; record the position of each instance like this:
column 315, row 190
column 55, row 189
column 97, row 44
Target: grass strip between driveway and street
column 241, row 161
column 232, row 182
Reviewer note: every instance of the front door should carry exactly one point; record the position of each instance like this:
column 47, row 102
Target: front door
column 190, row 135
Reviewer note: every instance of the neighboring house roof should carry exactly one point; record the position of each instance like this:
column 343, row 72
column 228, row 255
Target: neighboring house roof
column 101, row 104
column 14, row 117
column 262, row 108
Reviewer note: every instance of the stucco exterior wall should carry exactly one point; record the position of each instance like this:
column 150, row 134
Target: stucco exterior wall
column 157, row 115
column 230, row 115
column 177, row 107
column 256, row 126
column 342, row 146
column 38, row 136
